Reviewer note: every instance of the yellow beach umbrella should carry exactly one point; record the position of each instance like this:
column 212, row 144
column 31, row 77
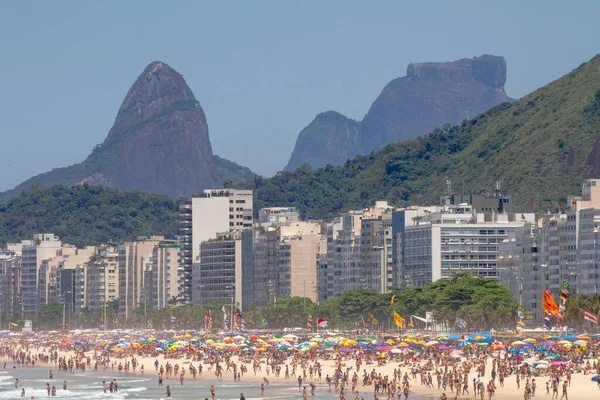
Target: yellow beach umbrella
column 529, row 340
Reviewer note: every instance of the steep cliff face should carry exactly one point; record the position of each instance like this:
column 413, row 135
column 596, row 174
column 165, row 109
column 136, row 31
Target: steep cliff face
column 329, row 139
column 429, row 96
column 159, row 143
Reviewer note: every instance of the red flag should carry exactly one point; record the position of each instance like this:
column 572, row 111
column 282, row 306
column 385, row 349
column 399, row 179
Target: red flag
column 587, row 315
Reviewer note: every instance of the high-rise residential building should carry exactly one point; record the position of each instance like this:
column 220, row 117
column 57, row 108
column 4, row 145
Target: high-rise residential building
column 67, row 277
column 43, row 247
column 443, row 242
column 560, row 248
column 10, row 282
column 286, row 259
column 133, row 257
column 357, row 259
column 207, row 214
column 102, row 275
column 220, row 270
column 248, row 238
column 166, row 277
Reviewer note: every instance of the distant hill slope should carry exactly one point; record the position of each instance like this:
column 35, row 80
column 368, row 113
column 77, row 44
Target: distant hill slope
column 87, row 215
column 159, row 143
column 329, row 139
column 538, row 147
column 429, row 96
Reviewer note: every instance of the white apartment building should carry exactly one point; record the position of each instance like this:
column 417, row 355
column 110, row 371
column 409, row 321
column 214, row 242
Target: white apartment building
column 277, row 215
column 450, row 240
column 44, row 246
column 102, row 274
column 167, row 277
column 207, row 214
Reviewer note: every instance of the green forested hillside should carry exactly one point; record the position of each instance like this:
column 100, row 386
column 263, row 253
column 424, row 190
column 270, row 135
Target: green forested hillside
column 538, row 147
column 87, row 215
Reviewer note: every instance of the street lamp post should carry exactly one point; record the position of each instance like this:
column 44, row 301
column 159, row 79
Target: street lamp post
column 232, row 287
column 304, row 296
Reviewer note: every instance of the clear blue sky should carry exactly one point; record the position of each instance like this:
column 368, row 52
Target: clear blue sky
column 262, row 70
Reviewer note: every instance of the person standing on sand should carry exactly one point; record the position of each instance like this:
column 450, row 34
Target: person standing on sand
column 242, row 397
column 564, row 393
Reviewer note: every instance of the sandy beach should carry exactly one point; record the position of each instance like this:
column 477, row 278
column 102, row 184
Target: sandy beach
column 581, row 387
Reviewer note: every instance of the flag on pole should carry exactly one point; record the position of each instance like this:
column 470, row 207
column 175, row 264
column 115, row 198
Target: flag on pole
column 309, row 321
column 225, row 318
column 263, row 321
column 589, row 316
column 548, row 304
column 461, row 323
column 392, row 301
column 321, row 323
column 547, row 323
column 398, row 320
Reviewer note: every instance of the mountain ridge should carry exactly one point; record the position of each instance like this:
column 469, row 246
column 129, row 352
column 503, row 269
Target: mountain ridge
column 538, row 147
column 430, row 95
column 159, row 143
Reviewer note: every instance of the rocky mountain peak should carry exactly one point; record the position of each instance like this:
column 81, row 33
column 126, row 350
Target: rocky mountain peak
column 429, row 96
column 158, row 143
column 487, row 69
column 156, row 89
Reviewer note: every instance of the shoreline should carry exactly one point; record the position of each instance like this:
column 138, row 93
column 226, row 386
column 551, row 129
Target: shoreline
column 582, row 387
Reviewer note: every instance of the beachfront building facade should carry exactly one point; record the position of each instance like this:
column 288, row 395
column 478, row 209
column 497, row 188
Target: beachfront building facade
column 442, row 241
column 359, row 252
column 10, row 282
column 133, row 259
column 209, row 213
column 44, row 246
column 163, row 275
column 219, row 274
column 285, row 260
column 102, row 276
column 561, row 247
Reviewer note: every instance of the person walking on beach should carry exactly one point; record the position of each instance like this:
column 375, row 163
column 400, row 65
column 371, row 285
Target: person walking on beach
column 242, row 397
column 168, row 391
column 564, row 393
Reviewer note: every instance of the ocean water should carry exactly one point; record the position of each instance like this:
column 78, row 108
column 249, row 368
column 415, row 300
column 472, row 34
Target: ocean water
column 131, row 387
